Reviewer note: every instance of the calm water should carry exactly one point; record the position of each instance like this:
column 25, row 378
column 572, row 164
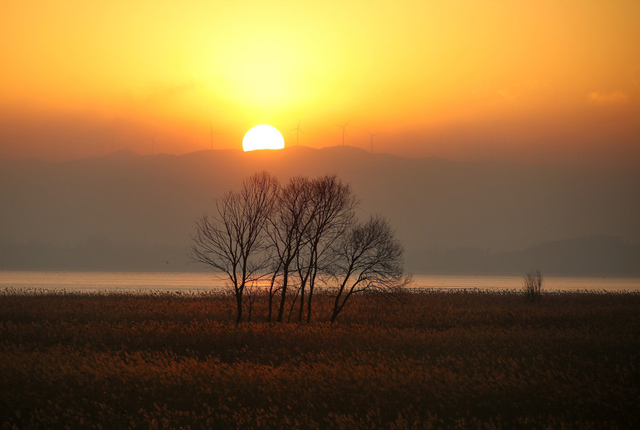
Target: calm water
column 140, row 282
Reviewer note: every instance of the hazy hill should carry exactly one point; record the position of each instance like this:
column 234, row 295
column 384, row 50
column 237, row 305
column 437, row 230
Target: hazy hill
column 131, row 212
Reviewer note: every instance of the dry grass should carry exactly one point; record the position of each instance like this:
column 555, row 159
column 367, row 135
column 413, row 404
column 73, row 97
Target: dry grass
column 533, row 286
column 462, row 360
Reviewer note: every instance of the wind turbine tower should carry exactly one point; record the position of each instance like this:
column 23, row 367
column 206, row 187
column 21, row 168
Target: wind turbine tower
column 344, row 126
column 372, row 134
column 298, row 130
column 153, row 144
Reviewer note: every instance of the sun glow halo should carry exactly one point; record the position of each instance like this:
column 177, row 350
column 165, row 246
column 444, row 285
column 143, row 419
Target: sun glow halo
column 262, row 136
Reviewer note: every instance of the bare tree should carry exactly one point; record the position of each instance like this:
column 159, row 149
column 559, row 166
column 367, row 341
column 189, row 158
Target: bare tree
column 333, row 215
column 310, row 216
column 292, row 215
column 295, row 235
column 233, row 242
column 368, row 258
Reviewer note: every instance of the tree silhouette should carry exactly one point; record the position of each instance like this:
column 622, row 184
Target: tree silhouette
column 333, row 216
column 368, row 258
column 294, row 235
column 233, row 242
column 291, row 217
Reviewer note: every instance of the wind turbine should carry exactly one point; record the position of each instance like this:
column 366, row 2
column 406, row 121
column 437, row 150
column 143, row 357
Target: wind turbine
column 372, row 134
column 344, row 126
column 211, row 133
column 153, row 144
column 298, row 131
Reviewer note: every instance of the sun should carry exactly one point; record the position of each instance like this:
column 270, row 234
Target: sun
column 262, row 136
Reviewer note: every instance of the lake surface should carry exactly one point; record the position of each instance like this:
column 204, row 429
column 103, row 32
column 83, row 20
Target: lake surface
column 145, row 282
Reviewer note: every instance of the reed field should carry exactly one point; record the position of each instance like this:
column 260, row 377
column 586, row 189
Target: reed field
column 418, row 360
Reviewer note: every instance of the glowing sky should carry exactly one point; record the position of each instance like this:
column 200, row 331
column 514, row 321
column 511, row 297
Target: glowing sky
column 555, row 81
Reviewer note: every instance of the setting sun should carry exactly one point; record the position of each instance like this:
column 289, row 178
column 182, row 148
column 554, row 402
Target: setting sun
column 454, row 80
column 262, row 136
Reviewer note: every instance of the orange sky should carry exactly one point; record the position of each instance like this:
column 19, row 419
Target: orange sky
column 555, row 81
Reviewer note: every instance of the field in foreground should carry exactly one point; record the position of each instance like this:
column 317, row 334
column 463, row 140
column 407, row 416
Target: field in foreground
column 461, row 360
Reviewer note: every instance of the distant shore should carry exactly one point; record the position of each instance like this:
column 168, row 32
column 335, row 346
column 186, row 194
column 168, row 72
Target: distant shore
column 207, row 281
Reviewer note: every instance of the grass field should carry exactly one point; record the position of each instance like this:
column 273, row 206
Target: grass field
column 459, row 360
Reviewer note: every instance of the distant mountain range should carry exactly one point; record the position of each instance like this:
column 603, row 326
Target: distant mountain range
column 585, row 256
column 131, row 212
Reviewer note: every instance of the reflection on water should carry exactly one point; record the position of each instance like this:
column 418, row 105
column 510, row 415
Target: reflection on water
column 139, row 282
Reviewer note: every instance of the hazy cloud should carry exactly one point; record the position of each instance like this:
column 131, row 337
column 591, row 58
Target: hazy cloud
column 522, row 90
column 601, row 98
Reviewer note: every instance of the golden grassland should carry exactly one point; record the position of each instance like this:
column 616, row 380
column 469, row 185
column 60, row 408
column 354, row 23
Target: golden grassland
column 460, row 360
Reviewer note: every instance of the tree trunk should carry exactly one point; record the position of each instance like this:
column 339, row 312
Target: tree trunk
column 301, row 304
column 309, row 304
column 283, row 296
column 238, row 307
column 272, row 294
column 336, row 311
column 337, row 306
column 292, row 307
column 311, row 285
